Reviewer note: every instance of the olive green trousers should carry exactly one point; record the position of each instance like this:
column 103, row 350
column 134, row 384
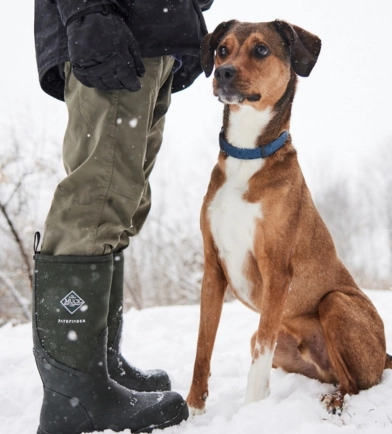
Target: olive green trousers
column 110, row 147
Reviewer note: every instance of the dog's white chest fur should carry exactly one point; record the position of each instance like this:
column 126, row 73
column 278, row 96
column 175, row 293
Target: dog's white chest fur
column 232, row 218
column 233, row 222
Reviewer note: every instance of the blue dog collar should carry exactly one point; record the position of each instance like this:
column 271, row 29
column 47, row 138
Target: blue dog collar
column 254, row 153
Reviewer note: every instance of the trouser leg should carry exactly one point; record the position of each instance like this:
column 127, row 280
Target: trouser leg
column 110, row 147
column 153, row 146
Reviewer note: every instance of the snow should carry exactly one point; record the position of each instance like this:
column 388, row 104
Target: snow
column 165, row 337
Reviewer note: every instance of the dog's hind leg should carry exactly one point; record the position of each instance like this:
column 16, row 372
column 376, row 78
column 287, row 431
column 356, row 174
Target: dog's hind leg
column 301, row 349
column 355, row 340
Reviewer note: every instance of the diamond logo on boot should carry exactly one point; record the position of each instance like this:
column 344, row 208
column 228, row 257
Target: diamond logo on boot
column 72, row 302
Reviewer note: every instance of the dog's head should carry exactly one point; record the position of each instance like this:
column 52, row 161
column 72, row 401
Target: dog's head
column 255, row 61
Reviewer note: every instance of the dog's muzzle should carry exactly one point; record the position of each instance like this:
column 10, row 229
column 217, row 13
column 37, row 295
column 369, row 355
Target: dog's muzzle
column 225, row 90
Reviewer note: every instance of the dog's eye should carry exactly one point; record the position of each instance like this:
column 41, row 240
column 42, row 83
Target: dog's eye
column 261, row 50
column 222, row 51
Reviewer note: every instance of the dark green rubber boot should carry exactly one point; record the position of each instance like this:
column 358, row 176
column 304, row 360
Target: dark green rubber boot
column 119, row 369
column 71, row 305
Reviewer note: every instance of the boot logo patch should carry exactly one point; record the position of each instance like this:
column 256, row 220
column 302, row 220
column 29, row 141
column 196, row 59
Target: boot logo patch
column 72, row 302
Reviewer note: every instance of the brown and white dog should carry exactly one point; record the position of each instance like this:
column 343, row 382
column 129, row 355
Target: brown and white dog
column 263, row 235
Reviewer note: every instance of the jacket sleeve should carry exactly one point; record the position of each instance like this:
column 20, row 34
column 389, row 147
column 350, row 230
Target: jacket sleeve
column 204, row 4
column 70, row 9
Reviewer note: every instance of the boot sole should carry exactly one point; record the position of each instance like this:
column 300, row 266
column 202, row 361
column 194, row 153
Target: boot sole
column 180, row 416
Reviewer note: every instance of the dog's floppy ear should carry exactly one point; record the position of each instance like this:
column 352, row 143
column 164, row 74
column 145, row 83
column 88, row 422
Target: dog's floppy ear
column 304, row 47
column 210, row 43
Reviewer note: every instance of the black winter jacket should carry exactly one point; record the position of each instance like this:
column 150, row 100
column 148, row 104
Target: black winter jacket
column 161, row 27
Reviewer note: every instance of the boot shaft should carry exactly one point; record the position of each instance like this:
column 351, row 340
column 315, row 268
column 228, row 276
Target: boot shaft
column 115, row 313
column 71, row 305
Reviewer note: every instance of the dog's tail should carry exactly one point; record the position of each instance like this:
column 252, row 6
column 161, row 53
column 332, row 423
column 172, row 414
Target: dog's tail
column 388, row 362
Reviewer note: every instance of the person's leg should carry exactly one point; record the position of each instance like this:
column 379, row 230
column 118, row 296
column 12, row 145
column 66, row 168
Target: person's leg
column 109, row 150
column 154, row 141
column 119, row 369
column 73, row 276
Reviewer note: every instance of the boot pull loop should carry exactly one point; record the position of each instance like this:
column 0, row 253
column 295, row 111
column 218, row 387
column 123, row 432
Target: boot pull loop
column 37, row 239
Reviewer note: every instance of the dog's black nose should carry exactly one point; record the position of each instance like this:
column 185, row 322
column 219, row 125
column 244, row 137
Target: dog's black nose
column 225, row 74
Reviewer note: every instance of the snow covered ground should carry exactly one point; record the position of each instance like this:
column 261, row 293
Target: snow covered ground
column 165, row 337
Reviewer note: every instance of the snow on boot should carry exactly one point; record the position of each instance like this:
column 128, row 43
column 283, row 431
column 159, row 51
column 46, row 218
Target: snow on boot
column 71, row 304
column 119, row 369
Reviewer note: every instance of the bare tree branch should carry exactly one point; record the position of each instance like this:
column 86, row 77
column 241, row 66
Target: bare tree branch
column 17, row 187
column 15, row 293
column 19, row 243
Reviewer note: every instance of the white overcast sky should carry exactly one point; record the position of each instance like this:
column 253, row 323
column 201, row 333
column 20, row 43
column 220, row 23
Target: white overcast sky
column 340, row 113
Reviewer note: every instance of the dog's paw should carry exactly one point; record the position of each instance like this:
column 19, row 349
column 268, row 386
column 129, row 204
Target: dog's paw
column 196, row 411
column 253, row 395
column 333, row 402
column 197, row 406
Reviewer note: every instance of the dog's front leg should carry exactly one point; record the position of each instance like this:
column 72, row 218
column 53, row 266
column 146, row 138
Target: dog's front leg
column 275, row 288
column 212, row 296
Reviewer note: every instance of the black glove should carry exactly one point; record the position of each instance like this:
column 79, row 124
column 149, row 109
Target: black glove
column 104, row 53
